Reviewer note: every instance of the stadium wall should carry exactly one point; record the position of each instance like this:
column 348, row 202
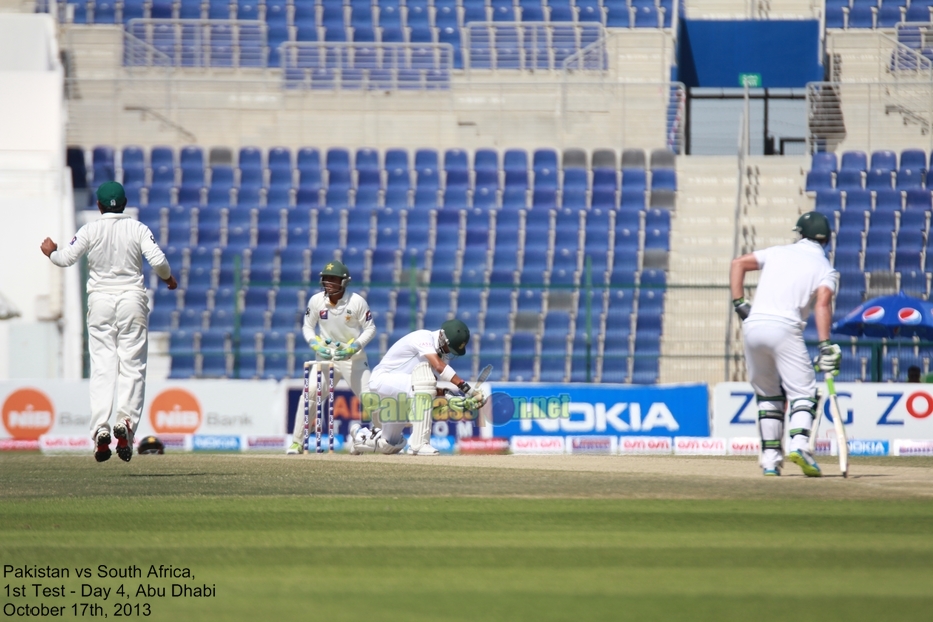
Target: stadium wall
column 35, row 202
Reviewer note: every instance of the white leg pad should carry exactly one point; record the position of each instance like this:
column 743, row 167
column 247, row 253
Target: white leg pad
column 424, row 385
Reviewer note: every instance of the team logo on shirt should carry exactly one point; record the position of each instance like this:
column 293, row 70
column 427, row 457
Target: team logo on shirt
column 908, row 315
column 73, row 240
column 323, row 314
column 369, row 316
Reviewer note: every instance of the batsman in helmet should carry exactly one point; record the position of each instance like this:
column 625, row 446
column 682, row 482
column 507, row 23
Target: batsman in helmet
column 795, row 279
column 418, row 367
column 337, row 326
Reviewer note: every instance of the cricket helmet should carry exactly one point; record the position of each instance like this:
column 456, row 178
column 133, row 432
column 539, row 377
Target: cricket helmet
column 151, row 445
column 334, row 268
column 456, row 335
column 813, row 226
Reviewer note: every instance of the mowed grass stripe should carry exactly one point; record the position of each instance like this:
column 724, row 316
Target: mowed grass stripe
column 428, row 557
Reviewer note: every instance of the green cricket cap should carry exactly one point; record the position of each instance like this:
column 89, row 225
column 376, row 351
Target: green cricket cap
column 111, row 194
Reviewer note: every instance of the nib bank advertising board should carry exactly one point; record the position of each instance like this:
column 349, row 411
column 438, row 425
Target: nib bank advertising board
column 599, row 410
column 870, row 411
column 31, row 409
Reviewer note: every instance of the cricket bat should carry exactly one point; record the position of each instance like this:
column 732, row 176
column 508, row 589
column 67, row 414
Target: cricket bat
column 841, row 440
column 483, row 376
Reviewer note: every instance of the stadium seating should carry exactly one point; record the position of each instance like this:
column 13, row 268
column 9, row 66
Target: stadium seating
column 230, row 241
column 499, row 34
column 880, row 230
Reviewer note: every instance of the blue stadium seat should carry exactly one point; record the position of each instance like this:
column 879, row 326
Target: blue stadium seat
column 879, row 179
column 909, row 178
column 861, row 16
column 847, row 179
column 474, row 11
column 648, row 16
column 819, row 180
column 522, row 352
column 824, row 161
column 910, row 244
column 828, row 202
column 884, row 160
column 589, row 11
column 887, row 200
column 854, row 160
column 858, row 199
column 915, row 218
column 889, row 15
column 531, row 11
column 917, row 199
column 914, row 159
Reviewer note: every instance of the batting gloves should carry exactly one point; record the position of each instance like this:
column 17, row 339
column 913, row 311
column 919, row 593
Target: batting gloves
column 461, row 404
column 476, row 394
column 742, row 308
column 829, row 357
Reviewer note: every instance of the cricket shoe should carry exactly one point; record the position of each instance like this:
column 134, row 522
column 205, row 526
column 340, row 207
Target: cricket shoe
column 123, row 430
column 294, row 449
column 805, row 461
column 424, row 450
column 102, row 438
column 774, row 472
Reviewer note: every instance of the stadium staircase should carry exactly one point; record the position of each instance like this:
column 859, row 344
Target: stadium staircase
column 701, row 249
column 880, row 108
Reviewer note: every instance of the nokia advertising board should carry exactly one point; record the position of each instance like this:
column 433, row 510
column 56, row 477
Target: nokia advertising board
column 579, row 410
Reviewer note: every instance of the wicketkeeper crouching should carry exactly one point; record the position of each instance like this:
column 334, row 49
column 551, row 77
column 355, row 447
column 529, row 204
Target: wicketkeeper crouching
column 337, row 327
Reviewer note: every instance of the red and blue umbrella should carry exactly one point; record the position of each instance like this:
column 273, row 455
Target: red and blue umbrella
column 889, row 316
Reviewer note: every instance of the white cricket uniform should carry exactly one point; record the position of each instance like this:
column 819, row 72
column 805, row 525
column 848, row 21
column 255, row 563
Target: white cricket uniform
column 349, row 319
column 392, row 376
column 775, row 353
column 118, row 311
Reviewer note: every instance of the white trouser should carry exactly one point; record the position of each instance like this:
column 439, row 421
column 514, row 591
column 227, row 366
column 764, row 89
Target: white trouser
column 356, row 373
column 391, row 385
column 778, row 364
column 118, row 331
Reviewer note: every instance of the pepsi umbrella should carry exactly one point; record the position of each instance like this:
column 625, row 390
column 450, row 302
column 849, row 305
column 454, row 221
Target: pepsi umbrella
column 889, row 316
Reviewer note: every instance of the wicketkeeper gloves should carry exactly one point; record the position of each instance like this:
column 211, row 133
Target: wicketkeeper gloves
column 322, row 350
column 829, row 357
column 345, row 352
column 742, row 308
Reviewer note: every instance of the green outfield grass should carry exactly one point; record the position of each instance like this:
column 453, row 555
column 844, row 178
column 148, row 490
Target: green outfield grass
column 337, row 540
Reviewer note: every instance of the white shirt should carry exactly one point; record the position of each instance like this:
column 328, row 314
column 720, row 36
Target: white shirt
column 406, row 353
column 790, row 276
column 115, row 245
column 349, row 319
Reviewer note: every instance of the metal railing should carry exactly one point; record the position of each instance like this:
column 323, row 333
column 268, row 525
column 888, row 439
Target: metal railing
column 238, row 112
column 593, row 57
column 368, row 66
column 210, row 43
column 884, row 115
column 534, row 46
column 139, row 53
column 676, row 118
